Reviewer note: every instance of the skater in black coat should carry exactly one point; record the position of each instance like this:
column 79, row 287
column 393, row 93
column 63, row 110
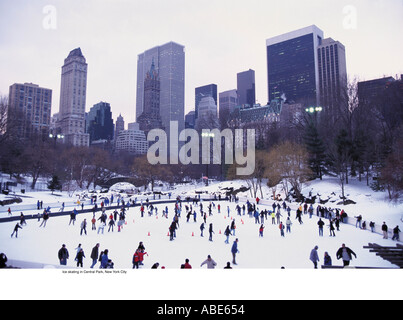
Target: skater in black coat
column 17, row 226
column 211, row 232
column 345, row 254
column 63, row 255
column 79, row 258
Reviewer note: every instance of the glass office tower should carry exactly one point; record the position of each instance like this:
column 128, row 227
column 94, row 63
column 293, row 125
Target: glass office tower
column 169, row 62
column 246, row 87
column 292, row 64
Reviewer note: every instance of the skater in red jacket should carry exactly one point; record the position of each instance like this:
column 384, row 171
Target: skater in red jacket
column 136, row 259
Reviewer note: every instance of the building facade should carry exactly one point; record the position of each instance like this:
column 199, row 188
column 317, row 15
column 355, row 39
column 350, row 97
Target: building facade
column 370, row 91
column 292, row 66
column 246, row 87
column 205, row 91
column 228, row 102
column 190, row 120
column 150, row 118
column 99, row 122
column 29, row 110
column 133, row 140
column 73, row 99
column 207, row 108
column 120, row 125
column 245, row 114
column 332, row 72
column 169, row 62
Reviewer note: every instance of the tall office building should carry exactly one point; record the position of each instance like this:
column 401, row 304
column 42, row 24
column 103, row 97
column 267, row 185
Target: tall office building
column 332, row 72
column 228, row 102
column 99, row 122
column 29, row 110
column 190, row 120
column 205, row 91
column 73, row 98
column 169, row 62
column 120, row 125
column 292, row 66
column 246, row 87
column 150, row 118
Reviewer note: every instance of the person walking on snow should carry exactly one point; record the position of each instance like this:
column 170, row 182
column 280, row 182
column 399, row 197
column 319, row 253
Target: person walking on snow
column 234, row 251
column 385, row 230
column 111, row 224
column 63, row 255
column 227, row 233
column 233, row 227
column 211, row 232
column 22, row 220
column 44, row 219
column 83, row 228
column 79, row 258
column 320, row 224
column 211, row 264
column 345, row 254
column 396, row 235
column 17, row 226
column 288, row 224
column 281, row 227
column 95, row 255
column 331, row 227
column 201, row 229
column 93, row 221
column 314, row 257
column 136, row 259
column 273, row 218
column 261, row 229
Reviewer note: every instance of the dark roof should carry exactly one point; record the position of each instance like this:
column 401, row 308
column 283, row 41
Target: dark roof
column 76, row 53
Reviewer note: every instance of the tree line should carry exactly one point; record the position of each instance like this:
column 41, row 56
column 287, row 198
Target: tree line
column 359, row 135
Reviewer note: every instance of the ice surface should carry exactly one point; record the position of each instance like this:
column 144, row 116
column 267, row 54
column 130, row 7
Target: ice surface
column 41, row 245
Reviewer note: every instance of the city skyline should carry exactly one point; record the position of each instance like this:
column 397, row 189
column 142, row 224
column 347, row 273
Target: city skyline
column 112, row 35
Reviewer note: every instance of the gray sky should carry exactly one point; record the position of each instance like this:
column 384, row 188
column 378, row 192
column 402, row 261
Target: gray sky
column 222, row 38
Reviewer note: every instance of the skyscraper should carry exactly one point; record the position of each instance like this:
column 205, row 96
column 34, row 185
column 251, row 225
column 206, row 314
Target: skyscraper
column 120, row 125
column 190, row 120
column 292, row 65
column 29, row 110
column 332, row 72
column 169, row 60
column 99, row 124
column 73, row 98
column 228, row 101
column 150, row 118
column 205, row 91
column 246, row 87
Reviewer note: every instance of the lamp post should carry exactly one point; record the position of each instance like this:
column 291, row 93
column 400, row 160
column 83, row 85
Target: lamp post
column 56, row 137
column 314, row 109
column 208, row 135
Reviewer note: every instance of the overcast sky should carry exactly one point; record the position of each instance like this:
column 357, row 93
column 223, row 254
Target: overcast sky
column 221, row 37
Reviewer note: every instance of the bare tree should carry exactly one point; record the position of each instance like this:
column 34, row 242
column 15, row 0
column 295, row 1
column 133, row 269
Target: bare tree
column 290, row 162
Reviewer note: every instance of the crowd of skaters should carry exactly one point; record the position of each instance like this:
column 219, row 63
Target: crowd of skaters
column 279, row 211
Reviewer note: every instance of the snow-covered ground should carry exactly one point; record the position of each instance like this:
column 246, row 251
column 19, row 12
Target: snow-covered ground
column 41, row 245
